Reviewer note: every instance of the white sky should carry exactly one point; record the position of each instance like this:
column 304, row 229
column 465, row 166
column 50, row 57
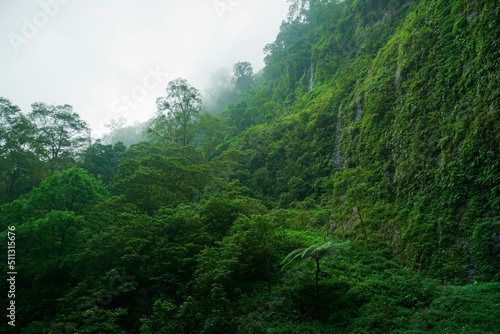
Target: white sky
column 97, row 55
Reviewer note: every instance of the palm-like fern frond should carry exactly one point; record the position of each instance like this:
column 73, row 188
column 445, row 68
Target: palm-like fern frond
column 329, row 249
column 316, row 253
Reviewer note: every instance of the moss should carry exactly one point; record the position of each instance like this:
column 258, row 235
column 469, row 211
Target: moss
column 486, row 249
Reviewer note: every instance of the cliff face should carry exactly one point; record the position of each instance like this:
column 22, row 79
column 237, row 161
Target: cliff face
column 399, row 126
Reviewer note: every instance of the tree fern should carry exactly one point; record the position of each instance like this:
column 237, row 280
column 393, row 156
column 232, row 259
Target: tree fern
column 316, row 253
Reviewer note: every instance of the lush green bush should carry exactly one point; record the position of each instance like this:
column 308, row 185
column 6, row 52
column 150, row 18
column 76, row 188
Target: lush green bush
column 374, row 124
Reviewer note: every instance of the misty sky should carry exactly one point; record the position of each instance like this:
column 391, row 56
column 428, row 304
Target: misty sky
column 113, row 58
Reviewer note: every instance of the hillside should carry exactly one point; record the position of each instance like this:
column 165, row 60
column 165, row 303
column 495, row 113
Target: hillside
column 353, row 186
column 402, row 117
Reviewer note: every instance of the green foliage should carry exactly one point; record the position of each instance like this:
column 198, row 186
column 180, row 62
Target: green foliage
column 72, row 190
column 373, row 122
column 51, row 238
column 487, row 250
column 316, row 253
column 20, row 168
column 457, row 309
column 155, row 180
column 101, row 160
column 182, row 104
column 218, row 216
column 60, row 133
column 231, row 165
column 242, row 76
column 212, row 132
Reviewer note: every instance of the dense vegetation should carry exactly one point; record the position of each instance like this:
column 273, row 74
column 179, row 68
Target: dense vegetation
column 353, row 186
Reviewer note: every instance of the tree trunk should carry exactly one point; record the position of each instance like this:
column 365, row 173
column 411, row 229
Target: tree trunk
column 316, row 283
column 268, row 277
column 362, row 223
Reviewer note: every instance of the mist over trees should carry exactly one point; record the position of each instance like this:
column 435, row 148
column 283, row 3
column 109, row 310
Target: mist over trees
column 220, row 92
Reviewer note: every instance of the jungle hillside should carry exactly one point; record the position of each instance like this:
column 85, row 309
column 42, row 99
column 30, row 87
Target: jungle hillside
column 351, row 186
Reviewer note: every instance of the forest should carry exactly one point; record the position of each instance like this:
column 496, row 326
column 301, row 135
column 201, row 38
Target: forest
column 351, row 186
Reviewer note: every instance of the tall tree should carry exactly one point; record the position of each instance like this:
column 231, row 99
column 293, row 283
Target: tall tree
column 20, row 169
column 176, row 112
column 60, row 135
column 120, row 132
column 101, row 160
column 316, row 253
column 242, row 76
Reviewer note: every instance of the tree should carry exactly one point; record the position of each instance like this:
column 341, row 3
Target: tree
column 52, row 238
column 220, row 92
column 242, row 76
column 72, row 190
column 237, row 115
column 162, row 129
column 212, row 131
column 20, row 168
column 218, row 216
column 15, row 128
column 353, row 195
column 101, row 160
column 230, row 165
column 182, row 104
column 155, row 181
column 116, row 124
column 126, row 134
column 296, row 7
column 316, row 253
column 61, row 134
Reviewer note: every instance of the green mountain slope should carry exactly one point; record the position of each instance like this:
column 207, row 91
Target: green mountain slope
column 353, row 187
column 402, row 119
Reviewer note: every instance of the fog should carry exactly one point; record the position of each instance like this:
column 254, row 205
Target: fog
column 113, row 58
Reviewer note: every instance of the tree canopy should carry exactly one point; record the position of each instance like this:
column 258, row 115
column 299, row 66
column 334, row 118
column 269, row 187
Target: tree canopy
column 60, row 134
column 176, row 113
column 372, row 132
